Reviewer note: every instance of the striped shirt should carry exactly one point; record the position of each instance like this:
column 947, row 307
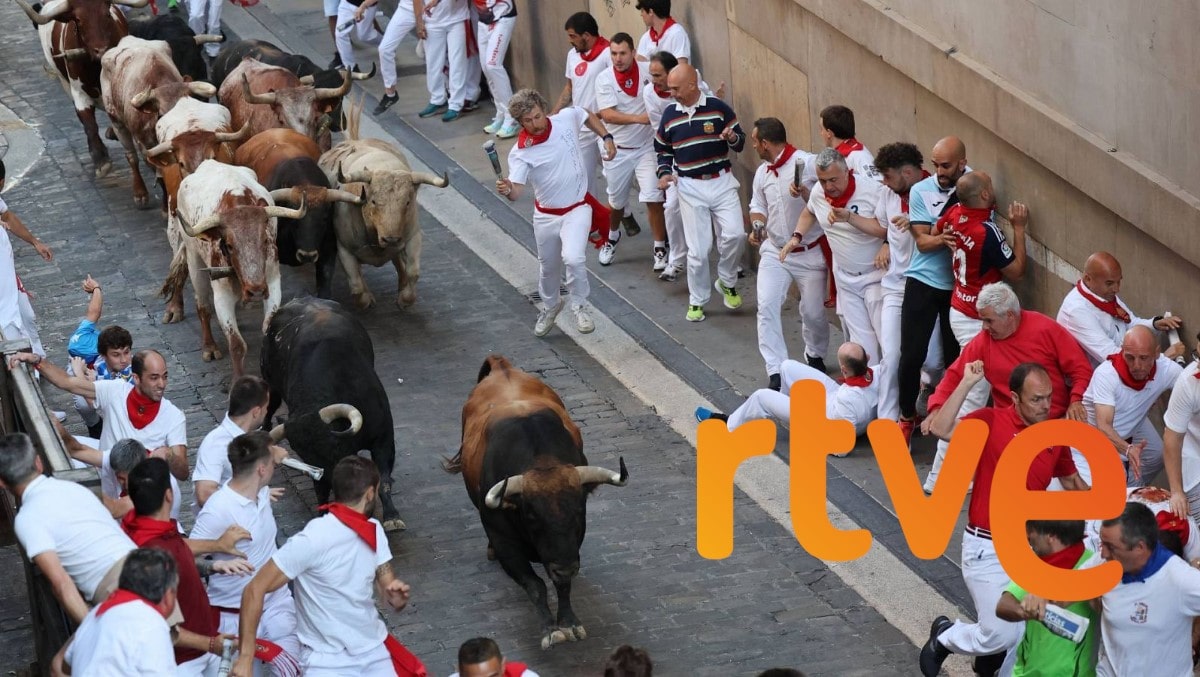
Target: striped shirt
column 688, row 141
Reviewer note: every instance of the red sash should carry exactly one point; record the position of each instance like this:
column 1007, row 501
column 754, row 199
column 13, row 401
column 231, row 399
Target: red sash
column 598, row 234
column 1118, row 362
column 142, row 529
column 780, row 161
column 844, row 199
column 655, row 36
column 1111, row 307
column 597, row 49
column 849, row 146
column 627, row 80
column 142, row 410
column 121, row 596
column 861, row 381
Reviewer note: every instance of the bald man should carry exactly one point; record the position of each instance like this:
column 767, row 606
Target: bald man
column 693, row 142
column 1096, row 316
column 1118, row 401
column 854, row 400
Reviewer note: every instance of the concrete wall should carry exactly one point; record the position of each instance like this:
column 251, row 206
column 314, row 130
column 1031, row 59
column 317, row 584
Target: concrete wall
column 1084, row 109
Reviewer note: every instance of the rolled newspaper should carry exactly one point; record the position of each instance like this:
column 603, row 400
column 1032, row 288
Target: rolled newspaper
column 226, row 658
column 310, row 470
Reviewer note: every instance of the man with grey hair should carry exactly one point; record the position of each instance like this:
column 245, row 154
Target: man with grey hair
column 63, row 530
column 844, row 205
column 547, row 153
column 114, row 466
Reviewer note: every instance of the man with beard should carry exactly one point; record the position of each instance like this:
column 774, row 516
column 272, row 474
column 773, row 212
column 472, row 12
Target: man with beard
column 586, row 60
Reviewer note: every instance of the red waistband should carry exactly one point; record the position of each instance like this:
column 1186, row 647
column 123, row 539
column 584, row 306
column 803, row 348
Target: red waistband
column 557, row 211
column 811, row 245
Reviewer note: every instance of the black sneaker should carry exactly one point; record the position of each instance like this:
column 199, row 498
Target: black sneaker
column 469, row 106
column 816, row 363
column 775, row 382
column 336, row 63
column 988, row 666
column 933, row 654
column 631, row 225
column 386, row 102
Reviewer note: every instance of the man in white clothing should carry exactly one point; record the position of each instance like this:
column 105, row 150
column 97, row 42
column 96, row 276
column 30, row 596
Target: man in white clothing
column 837, row 131
column 481, row 657
column 1096, row 316
column 773, row 214
column 547, row 153
column 204, row 16
column 586, row 60
column 249, row 397
column 662, row 34
column 355, row 19
column 409, row 18
column 1181, row 443
column 445, row 52
column 17, row 319
column 494, row 31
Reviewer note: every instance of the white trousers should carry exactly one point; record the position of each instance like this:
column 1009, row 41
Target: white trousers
column 204, row 16
column 705, row 204
column 376, row 662
column 767, row 403
column 204, row 666
column 27, row 326
column 860, row 305
column 400, row 25
column 442, row 43
column 363, row 31
column 1152, row 456
column 619, row 173
column 807, row 270
column 562, row 243
column 493, row 45
column 278, row 624
column 964, row 328
column 985, row 580
column 589, row 148
column 677, row 256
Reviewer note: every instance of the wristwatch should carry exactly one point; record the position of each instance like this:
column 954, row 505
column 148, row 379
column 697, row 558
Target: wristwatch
column 607, row 137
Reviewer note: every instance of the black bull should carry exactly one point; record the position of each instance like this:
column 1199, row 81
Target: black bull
column 316, row 354
column 185, row 51
column 299, row 239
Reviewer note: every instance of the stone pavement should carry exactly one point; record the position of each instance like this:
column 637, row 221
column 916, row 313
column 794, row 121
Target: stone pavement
column 641, row 580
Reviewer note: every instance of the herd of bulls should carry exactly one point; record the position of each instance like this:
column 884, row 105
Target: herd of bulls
column 253, row 180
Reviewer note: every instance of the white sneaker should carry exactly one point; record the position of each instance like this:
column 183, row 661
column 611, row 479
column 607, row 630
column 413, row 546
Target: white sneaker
column 660, row 259
column 508, row 131
column 607, row 252
column 669, row 274
column 583, row 322
column 62, row 415
column 493, row 126
column 545, row 321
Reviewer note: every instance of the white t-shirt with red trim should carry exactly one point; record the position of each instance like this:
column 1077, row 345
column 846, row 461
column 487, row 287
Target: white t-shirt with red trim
column 555, row 166
column 853, row 250
column 168, row 428
column 674, row 40
column 614, row 93
column 583, row 74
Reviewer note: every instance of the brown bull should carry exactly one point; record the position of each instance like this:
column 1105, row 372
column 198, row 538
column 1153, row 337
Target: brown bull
column 270, row 97
column 523, row 464
column 265, row 150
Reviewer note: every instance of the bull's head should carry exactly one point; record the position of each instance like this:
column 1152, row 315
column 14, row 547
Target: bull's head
column 312, row 229
column 189, row 149
column 100, row 26
column 390, row 199
column 300, row 108
column 164, row 97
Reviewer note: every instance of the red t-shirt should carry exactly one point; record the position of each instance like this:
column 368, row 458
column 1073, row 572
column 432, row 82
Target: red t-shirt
column 198, row 614
column 1037, row 339
column 980, row 253
column 1003, row 426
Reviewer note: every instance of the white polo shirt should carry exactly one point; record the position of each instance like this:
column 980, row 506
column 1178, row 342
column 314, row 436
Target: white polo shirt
column 212, row 458
column 1147, row 626
column 168, row 428
column 1130, row 406
column 1181, row 417
column 769, row 195
column 609, row 94
column 223, row 509
column 900, row 242
column 583, row 76
column 674, row 41
column 1099, row 333
column 67, row 519
column 555, row 166
column 334, row 574
column 853, row 250
column 111, row 486
column 129, row 639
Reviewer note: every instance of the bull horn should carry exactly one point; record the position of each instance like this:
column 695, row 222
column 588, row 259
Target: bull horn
column 360, row 176
column 136, row 4
column 141, row 98
column 292, row 195
column 278, row 432
column 594, row 474
column 307, row 79
column 338, row 195
column 219, row 272
column 285, row 213
column 206, row 38
column 268, row 98
column 75, row 53
column 431, row 179
column 333, row 412
column 239, row 135
column 506, row 488
column 201, row 88
column 40, row 18
column 330, row 92
column 207, row 223
column 364, row 76
column 164, row 147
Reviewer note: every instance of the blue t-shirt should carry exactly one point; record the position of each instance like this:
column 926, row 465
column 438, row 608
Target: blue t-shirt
column 84, row 341
column 926, row 201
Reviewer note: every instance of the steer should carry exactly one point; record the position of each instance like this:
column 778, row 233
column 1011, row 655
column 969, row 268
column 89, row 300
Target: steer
column 285, row 161
column 75, row 34
column 316, row 354
column 139, row 83
column 186, row 46
column 522, row 461
column 385, row 227
column 270, row 97
column 228, row 237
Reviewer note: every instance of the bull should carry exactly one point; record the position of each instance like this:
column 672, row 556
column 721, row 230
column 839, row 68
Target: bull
column 227, row 245
column 139, row 83
column 270, row 97
column 385, row 227
column 308, row 341
column 523, row 465
column 285, row 161
column 186, row 46
column 75, row 34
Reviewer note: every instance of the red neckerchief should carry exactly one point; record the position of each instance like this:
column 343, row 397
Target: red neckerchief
column 1118, row 362
column 861, row 381
column 1167, row 521
column 844, row 199
column 628, row 76
column 780, row 161
column 1066, row 558
column 662, row 93
column 142, row 410
column 142, row 529
column 515, row 669
column 596, row 50
column 904, row 198
column 403, row 661
column 655, row 36
column 849, row 146
column 355, row 520
column 1111, row 307
column 526, row 139
column 122, row 596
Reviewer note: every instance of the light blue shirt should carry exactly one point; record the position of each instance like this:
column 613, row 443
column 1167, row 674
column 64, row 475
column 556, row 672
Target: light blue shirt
column 926, row 200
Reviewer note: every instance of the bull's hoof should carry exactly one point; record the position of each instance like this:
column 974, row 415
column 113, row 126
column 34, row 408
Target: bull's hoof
column 394, row 524
column 491, row 553
column 364, row 300
column 172, row 315
column 110, row 134
column 553, row 637
column 406, row 298
column 103, row 168
column 210, row 353
column 574, row 633
column 141, row 201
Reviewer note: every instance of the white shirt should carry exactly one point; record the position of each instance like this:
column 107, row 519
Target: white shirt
column 1130, row 406
column 853, row 250
column 111, row 486
column 129, row 639
column 555, row 166
column 900, row 242
column 10, row 312
column 655, row 104
column 583, row 75
column 863, row 163
column 168, row 428
column 527, row 673
column 609, row 94
column 212, row 459
column 855, row 403
column 1146, row 628
column 223, row 509
column 334, row 573
column 1191, row 550
column 67, row 519
column 769, row 195
column 674, row 41
column 447, row 13
column 1099, row 333
column 1181, row 417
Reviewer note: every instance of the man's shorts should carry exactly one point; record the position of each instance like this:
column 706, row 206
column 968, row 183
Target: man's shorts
column 331, row 7
column 621, row 170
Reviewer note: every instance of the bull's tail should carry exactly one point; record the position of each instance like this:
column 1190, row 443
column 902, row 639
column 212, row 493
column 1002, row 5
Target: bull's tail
column 352, row 116
column 453, row 464
column 177, row 275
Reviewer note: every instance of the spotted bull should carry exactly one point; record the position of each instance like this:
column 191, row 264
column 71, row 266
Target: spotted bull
column 270, row 97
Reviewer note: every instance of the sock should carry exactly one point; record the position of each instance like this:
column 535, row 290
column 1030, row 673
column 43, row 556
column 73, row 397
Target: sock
column 614, row 236
column 660, row 244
